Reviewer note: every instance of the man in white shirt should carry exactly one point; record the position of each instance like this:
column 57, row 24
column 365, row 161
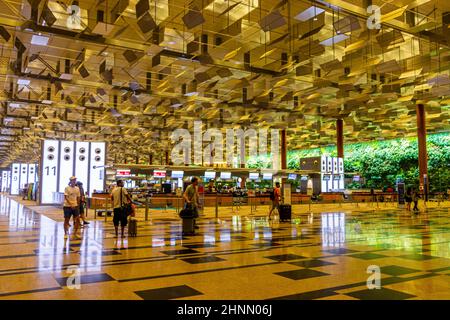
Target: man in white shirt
column 120, row 197
column 71, row 207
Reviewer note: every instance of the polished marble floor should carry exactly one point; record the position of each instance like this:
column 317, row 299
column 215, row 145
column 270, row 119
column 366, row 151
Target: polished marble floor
column 320, row 255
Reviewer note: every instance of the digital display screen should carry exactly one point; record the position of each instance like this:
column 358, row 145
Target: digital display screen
column 225, row 175
column 267, row 176
column 292, row 176
column 210, row 174
column 304, row 178
column 327, row 177
column 177, row 174
column 356, row 178
column 336, row 177
column 159, row 173
column 253, row 176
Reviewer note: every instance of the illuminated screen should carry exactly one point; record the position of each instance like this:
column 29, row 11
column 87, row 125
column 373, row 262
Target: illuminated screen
column 356, row 178
column 123, row 172
column 292, row 176
column 159, row 174
column 304, row 178
column 326, row 178
column 210, row 174
column 225, row 175
column 267, row 176
column 177, row 174
column 336, row 177
column 253, row 176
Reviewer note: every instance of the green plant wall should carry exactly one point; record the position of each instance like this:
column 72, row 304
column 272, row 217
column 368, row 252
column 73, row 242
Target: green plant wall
column 382, row 162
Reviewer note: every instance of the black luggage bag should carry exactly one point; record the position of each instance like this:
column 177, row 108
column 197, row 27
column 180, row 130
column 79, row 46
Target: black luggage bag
column 285, row 211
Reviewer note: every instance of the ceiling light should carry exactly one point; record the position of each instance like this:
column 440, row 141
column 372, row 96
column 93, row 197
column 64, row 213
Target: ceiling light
column 39, row 40
column 23, row 82
column 334, row 40
column 14, row 105
column 47, row 102
column 171, row 42
column 308, row 13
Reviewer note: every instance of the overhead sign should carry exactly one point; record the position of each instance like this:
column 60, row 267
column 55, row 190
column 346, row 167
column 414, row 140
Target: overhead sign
column 66, row 164
column 49, row 170
column 159, row 173
column 63, row 159
column 123, row 172
column 15, row 176
column 6, row 175
column 97, row 167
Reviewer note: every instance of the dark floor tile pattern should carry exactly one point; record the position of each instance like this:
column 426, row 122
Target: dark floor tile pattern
column 314, row 263
column 367, row 256
column 397, row 270
column 301, row 274
column 380, row 294
column 285, row 257
column 168, row 293
column 180, row 252
column 198, row 260
column 85, row 279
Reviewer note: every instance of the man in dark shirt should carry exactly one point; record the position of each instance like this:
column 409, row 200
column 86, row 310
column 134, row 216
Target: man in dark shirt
column 82, row 203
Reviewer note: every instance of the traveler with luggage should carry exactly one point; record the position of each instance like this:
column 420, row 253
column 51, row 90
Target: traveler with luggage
column 71, row 208
column 408, row 198
column 275, row 196
column 191, row 198
column 415, row 198
column 82, row 203
column 121, row 203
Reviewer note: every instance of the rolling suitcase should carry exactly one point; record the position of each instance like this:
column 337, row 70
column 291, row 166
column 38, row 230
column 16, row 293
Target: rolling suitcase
column 285, row 211
column 188, row 226
column 132, row 227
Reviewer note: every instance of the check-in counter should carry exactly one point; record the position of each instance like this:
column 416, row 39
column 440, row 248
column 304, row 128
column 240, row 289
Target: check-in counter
column 332, row 197
column 100, row 202
column 300, row 198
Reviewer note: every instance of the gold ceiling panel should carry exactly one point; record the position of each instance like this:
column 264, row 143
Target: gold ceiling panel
column 126, row 69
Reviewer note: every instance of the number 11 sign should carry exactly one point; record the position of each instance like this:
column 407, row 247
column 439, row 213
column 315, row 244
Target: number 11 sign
column 49, row 181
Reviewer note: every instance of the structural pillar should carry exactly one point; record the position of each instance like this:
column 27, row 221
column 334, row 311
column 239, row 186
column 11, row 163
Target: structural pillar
column 340, row 137
column 283, row 150
column 150, row 159
column 167, row 157
column 422, row 144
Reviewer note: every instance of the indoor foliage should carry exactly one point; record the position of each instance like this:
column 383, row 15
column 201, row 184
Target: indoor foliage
column 381, row 163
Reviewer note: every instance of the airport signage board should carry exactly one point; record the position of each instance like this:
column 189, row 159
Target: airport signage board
column 62, row 159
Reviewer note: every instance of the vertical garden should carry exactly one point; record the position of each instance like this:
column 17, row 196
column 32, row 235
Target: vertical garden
column 381, row 163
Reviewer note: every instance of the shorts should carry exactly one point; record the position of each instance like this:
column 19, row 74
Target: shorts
column 119, row 217
column 69, row 211
column 275, row 205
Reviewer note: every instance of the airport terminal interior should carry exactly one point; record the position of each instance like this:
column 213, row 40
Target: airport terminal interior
column 262, row 150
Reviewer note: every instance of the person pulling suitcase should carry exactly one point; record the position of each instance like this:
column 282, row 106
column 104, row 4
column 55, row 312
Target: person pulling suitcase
column 276, row 199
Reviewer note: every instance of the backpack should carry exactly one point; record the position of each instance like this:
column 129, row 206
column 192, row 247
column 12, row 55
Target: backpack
column 272, row 195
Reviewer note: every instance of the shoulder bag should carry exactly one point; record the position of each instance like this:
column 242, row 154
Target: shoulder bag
column 126, row 208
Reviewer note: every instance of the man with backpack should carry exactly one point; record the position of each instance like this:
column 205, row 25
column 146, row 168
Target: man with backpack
column 275, row 196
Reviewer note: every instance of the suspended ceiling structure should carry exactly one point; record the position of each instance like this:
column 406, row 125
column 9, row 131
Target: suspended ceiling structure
column 130, row 72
